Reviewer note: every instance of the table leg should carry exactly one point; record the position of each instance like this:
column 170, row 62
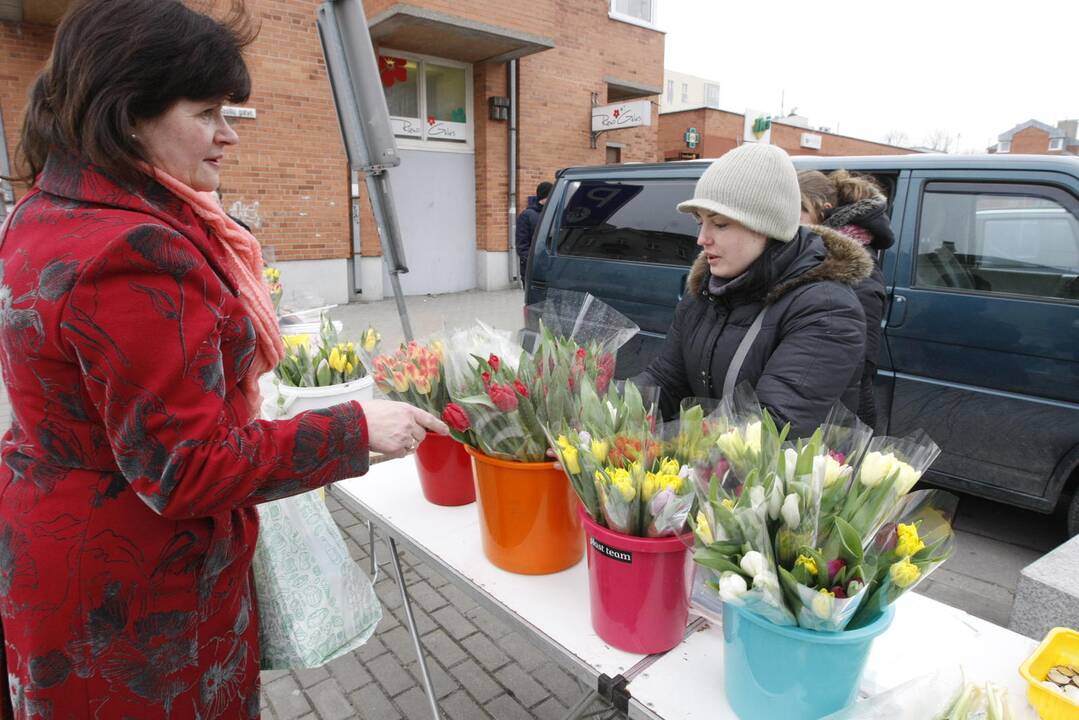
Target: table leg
column 371, row 549
column 407, row 604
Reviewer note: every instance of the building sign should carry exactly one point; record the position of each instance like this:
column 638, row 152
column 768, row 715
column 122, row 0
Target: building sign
column 757, row 127
column 811, row 141
column 692, row 137
column 618, row 116
column 238, row 112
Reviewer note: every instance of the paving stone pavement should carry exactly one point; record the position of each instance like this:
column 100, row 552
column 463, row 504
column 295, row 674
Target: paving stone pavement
column 480, row 667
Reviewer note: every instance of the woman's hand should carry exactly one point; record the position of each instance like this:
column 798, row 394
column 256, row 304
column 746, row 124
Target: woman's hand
column 396, row 428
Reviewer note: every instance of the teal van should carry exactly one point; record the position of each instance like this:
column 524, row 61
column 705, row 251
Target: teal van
column 980, row 341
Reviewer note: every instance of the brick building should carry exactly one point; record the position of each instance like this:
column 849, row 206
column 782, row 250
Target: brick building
column 442, row 61
column 719, row 130
column 1038, row 138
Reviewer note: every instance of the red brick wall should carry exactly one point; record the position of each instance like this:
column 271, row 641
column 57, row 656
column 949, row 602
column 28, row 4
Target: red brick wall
column 1031, row 141
column 722, row 131
column 291, row 160
column 25, row 50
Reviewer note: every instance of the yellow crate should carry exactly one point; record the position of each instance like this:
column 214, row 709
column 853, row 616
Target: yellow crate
column 1060, row 647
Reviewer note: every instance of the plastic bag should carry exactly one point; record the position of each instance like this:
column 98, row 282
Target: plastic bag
column 314, row 602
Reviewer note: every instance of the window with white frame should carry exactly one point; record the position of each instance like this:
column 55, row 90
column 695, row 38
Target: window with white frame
column 429, row 99
column 1004, row 146
column 711, row 95
column 636, row 11
column 1056, row 144
column 685, row 92
column 670, row 92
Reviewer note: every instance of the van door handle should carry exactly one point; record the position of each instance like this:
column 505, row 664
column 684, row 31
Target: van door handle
column 897, row 314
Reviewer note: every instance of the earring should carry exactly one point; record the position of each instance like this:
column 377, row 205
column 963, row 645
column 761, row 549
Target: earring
column 134, row 136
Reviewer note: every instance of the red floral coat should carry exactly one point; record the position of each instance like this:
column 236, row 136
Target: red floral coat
column 130, row 475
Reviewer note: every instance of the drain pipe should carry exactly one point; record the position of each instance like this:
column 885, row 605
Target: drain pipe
column 514, row 267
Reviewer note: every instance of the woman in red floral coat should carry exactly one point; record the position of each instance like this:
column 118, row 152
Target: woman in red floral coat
column 133, row 328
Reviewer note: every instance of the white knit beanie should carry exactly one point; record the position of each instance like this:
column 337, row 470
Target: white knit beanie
column 755, row 185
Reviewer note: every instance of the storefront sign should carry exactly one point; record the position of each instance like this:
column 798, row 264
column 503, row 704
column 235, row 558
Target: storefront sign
column 811, row 141
column 757, row 127
column 692, row 137
column 446, row 130
column 621, row 115
column 406, row 127
column 238, row 112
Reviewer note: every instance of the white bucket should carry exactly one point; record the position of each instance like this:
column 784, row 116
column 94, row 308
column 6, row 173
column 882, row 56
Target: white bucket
column 289, row 401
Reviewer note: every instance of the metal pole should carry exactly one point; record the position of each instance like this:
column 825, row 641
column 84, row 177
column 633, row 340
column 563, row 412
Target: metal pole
column 407, row 604
column 365, row 124
column 7, row 195
column 514, row 263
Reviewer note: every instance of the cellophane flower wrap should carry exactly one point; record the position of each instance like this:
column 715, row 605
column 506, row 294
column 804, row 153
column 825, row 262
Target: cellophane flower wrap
column 845, row 439
column 603, row 444
column 331, row 362
column 510, row 399
column 415, row 374
column 740, row 497
column 825, row 524
column 886, row 473
column 915, row 540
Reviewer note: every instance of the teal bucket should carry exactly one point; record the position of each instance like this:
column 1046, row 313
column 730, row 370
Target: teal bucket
column 774, row 671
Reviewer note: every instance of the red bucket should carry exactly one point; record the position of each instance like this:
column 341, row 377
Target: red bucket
column 445, row 471
column 639, row 588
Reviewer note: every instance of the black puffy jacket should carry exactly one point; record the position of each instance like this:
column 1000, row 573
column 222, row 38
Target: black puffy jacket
column 809, row 352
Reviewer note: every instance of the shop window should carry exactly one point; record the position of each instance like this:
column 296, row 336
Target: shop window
column 1004, row 146
column 614, row 155
column 1056, row 144
column 428, row 100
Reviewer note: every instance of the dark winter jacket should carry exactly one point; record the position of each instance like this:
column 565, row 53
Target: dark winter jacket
column 527, row 222
column 810, row 348
column 869, row 219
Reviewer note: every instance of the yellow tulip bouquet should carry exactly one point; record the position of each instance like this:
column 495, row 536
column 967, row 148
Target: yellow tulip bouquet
column 822, row 532
column 330, row 362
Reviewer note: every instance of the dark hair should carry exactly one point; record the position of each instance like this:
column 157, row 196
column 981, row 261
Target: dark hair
column 115, row 62
column 543, row 190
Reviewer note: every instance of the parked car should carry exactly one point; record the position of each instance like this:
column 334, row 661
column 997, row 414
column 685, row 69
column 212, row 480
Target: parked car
column 981, row 337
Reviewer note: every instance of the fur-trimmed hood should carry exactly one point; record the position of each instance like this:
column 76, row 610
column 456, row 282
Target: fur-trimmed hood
column 845, row 261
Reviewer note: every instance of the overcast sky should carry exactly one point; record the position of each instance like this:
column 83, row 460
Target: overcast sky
column 969, row 69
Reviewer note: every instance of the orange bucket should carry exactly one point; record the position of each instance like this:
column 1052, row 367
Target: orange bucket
column 528, row 515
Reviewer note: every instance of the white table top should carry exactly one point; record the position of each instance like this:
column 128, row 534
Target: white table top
column 924, row 636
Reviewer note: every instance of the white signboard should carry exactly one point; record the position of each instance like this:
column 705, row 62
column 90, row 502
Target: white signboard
column 757, row 127
column 238, row 112
column 811, row 141
column 621, row 115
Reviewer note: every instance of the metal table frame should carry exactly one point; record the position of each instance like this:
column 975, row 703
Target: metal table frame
column 609, row 693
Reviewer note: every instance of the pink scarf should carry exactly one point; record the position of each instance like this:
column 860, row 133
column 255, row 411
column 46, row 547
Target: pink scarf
column 246, row 255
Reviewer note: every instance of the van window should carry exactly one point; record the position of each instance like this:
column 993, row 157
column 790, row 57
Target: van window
column 999, row 239
column 628, row 221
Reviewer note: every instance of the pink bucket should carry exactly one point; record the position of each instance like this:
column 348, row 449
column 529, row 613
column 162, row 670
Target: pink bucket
column 639, row 588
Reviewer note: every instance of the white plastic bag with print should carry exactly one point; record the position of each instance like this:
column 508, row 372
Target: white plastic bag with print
column 315, row 604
